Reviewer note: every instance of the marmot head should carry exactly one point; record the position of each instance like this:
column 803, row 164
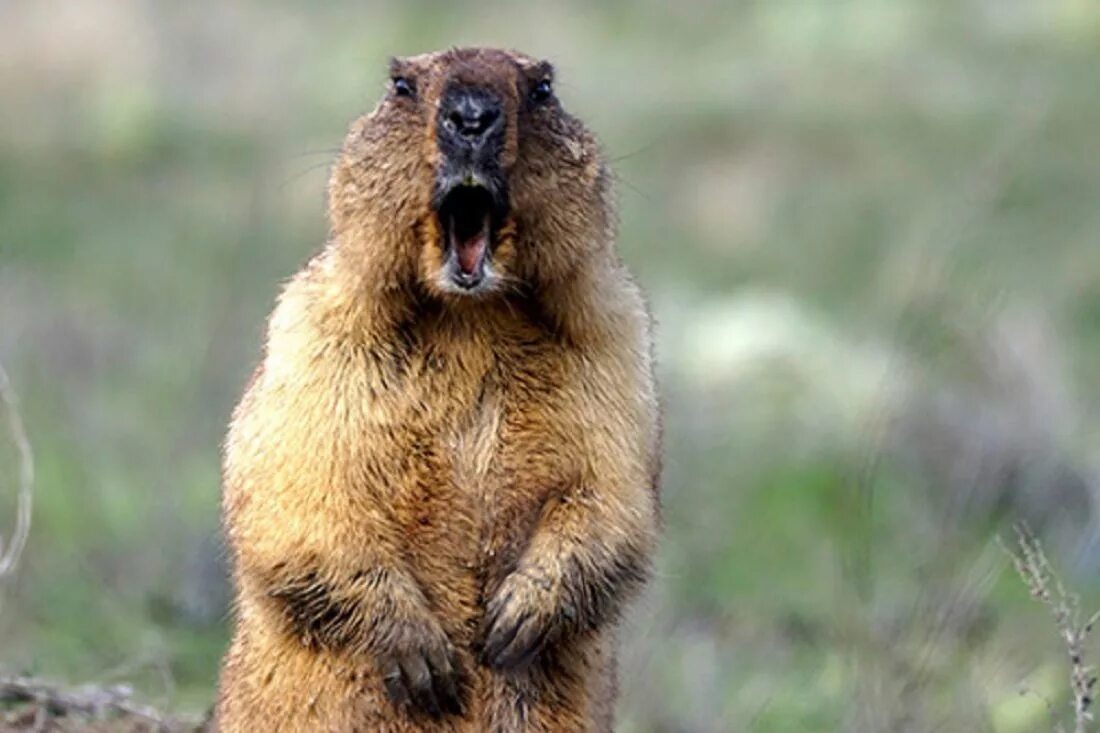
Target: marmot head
column 469, row 179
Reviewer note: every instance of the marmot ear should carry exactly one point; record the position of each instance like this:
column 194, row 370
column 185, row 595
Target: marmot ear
column 535, row 68
column 398, row 66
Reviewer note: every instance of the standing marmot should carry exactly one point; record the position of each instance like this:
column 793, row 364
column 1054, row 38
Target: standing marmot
column 440, row 486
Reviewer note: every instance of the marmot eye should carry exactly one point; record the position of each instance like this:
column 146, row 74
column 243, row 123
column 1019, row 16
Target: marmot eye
column 542, row 91
column 402, row 87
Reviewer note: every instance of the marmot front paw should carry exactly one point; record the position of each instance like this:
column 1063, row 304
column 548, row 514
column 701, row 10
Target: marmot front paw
column 520, row 620
column 420, row 673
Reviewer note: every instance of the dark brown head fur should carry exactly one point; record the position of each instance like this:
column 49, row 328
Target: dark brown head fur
column 543, row 172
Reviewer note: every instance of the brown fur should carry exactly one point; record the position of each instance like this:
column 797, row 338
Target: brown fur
column 416, row 472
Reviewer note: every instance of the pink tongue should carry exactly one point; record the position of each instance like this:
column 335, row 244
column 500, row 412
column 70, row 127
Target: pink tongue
column 470, row 253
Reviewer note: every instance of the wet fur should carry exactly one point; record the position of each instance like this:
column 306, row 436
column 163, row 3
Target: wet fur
column 414, row 470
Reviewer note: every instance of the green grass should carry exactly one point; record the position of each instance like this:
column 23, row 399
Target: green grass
column 849, row 214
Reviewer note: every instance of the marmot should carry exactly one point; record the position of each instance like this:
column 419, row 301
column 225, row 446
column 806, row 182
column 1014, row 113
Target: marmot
column 440, row 486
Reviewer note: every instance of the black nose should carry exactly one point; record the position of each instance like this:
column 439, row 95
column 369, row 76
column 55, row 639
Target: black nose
column 470, row 114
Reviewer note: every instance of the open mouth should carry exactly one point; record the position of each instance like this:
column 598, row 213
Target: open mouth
column 466, row 217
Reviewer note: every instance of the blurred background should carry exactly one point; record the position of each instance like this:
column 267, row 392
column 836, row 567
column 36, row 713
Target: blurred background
column 871, row 234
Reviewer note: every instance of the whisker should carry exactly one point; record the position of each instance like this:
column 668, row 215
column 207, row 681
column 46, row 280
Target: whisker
column 620, row 179
column 294, row 177
column 308, row 153
column 637, row 151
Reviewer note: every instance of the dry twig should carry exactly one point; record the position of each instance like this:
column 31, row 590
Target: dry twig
column 1031, row 563
column 92, row 701
column 88, row 702
column 9, row 556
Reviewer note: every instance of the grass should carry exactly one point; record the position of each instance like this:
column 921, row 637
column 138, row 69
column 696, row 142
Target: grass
column 869, row 232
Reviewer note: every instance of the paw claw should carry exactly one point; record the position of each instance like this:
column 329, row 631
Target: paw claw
column 423, row 678
column 518, row 623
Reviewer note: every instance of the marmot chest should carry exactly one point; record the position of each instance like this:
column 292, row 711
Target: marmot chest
column 479, row 451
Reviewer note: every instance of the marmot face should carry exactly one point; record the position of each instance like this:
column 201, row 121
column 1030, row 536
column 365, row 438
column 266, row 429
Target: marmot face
column 470, row 178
